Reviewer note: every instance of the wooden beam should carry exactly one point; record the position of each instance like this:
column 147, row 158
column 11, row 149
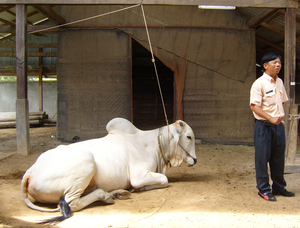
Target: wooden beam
column 238, row 3
column 7, row 29
column 22, row 109
column 50, row 13
column 272, row 44
column 282, row 12
column 7, row 22
column 3, row 9
column 30, row 29
column 29, row 74
column 263, row 16
column 266, row 41
column 30, row 45
column 290, row 52
column 34, row 28
column 21, row 51
column 290, row 82
column 40, row 81
column 30, row 54
column 272, row 28
column 276, row 30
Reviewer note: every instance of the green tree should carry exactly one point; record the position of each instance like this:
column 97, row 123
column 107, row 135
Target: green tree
column 7, row 79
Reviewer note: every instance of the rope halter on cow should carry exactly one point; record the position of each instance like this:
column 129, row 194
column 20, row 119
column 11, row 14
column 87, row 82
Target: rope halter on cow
column 161, row 149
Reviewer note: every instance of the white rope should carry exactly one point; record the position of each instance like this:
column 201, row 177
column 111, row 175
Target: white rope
column 85, row 19
column 153, row 60
column 294, row 117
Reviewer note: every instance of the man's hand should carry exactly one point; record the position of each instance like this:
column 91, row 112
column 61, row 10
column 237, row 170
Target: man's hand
column 275, row 120
column 258, row 110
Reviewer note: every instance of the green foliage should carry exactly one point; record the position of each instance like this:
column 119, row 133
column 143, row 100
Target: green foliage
column 8, row 79
column 14, row 79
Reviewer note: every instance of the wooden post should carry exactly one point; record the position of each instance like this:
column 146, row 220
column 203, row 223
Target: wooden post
column 292, row 140
column 22, row 113
column 289, row 80
column 40, row 81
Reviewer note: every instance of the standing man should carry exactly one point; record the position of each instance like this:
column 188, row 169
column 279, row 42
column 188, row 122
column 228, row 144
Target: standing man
column 266, row 102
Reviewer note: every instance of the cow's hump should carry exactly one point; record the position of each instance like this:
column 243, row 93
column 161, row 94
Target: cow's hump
column 121, row 125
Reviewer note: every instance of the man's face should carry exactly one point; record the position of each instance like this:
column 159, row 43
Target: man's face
column 273, row 67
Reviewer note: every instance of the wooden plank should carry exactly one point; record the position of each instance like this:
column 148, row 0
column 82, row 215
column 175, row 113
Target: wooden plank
column 30, row 29
column 7, row 22
column 290, row 51
column 29, row 74
column 30, row 54
column 263, row 16
column 292, row 137
column 238, row 3
column 50, row 13
column 13, row 123
column 277, row 46
column 30, row 45
column 21, row 51
column 292, row 169
column 14, row 119
column 262, row 39
column 23, row 142
column 8, row 124
column 40, row 81
column 37, row 113
column 289, row 76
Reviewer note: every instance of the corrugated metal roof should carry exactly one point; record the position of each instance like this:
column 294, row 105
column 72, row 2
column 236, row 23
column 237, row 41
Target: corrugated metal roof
column 267, row 39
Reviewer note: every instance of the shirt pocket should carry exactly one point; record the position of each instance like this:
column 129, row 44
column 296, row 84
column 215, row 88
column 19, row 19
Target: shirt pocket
column 270, row 97
column 281, row 94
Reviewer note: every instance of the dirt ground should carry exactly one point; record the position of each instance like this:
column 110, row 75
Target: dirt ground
column 219, row 191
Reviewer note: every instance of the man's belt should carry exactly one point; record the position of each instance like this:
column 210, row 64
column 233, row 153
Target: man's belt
column 268, row 123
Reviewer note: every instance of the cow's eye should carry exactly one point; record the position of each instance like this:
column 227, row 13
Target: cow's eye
column 189, row 137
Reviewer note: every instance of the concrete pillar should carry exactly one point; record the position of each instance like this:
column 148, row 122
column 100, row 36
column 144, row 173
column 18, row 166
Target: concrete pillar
column 22, row 112
column 22, row 117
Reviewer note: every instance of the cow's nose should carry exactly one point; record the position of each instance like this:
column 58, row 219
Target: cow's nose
column 195, row 160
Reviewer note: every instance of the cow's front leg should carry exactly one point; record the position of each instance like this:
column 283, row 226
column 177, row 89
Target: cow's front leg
column 147, row 180
column 98, row 194
column 120, row 194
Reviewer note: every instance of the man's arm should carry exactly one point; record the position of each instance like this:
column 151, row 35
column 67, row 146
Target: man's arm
column 258, row 110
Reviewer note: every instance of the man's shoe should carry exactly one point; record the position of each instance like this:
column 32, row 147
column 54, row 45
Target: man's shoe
column 284, row 192
column 267, row 196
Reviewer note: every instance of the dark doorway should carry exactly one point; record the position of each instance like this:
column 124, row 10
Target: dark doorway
column 147, row 109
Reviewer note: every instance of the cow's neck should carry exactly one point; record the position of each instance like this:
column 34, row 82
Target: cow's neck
column 164, row 139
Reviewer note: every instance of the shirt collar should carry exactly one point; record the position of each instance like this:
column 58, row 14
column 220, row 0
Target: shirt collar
column 270, row 78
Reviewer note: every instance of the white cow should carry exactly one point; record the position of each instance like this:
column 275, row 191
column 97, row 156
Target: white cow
column 101, row 169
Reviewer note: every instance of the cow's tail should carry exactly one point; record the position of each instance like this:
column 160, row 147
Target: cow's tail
column 24, row 185
column 65, row 209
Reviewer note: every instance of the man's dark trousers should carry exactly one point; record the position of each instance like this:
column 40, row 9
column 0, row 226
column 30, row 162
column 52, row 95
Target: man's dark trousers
column 269, row 142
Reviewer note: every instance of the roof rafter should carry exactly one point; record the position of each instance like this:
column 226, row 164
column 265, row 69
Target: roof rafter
column 263, row 16
column 50, row 13
column 237, row 3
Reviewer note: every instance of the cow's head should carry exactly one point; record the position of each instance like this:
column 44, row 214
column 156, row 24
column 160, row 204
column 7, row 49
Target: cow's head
column 184, row 144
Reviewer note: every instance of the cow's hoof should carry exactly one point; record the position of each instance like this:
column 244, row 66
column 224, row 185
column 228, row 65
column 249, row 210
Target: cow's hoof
column 120, row 194
column 109, row 200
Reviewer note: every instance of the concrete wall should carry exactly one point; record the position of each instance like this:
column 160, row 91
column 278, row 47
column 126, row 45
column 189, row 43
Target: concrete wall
column 217, row 45
column 8, row 96
column 93, row 82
